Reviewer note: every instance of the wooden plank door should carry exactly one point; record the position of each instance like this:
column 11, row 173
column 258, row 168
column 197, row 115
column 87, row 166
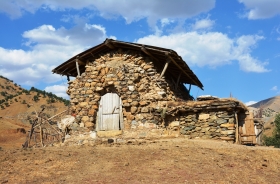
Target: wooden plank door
column 247, row 129
column 109, row 112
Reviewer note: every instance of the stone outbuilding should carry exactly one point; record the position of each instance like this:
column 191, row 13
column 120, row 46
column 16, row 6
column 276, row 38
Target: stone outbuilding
column 132, row 90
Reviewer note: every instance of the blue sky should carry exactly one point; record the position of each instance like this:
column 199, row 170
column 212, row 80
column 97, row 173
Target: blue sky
column 232, row 46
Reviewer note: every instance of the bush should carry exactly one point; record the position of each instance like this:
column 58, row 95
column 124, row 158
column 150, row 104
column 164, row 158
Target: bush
column 275, row 139
column 35, row 98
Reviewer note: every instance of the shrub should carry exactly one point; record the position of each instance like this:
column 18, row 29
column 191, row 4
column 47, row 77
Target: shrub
column 275, row 139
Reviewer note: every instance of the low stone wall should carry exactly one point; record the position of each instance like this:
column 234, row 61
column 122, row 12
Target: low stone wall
column 213, row 125
column 216, row 120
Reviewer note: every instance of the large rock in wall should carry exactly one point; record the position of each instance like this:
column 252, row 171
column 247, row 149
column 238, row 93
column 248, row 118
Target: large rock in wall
column 133, row 77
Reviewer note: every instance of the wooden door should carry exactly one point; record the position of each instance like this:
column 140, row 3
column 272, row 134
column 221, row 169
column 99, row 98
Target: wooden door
column 247, row 129
column 110, row 112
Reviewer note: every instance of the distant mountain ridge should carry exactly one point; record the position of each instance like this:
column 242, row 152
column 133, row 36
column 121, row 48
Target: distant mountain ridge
column 272, row 103
column 10, row 90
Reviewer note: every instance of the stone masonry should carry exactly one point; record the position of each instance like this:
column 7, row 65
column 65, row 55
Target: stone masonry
column 153, row 107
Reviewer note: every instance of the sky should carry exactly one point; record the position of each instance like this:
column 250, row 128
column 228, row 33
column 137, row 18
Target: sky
column 232, row 46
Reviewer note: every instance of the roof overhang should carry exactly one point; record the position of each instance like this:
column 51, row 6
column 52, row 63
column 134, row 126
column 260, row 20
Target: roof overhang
column 158, row 54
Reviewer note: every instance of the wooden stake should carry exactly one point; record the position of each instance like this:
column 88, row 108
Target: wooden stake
column 30, row 134
column 237, row 129
column 41, row 136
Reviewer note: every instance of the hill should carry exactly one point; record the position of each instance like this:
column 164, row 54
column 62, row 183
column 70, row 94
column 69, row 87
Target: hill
column 17, row 105
column 266, row 110
column 270, row 105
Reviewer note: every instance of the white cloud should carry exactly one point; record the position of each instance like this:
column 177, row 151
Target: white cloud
column 130, row 10
column 261, row 9
column 211, row 49
column 165, row 21
column 58, row 90
column 242, row 53
column 203, row 24
column 49, row 47
column 274, row 88
column 250, row 103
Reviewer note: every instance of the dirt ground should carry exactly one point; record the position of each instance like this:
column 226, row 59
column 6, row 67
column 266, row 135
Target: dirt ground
column 161, row 161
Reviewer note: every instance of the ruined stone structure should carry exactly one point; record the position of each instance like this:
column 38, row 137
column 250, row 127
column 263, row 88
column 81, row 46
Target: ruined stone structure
column 130, row 90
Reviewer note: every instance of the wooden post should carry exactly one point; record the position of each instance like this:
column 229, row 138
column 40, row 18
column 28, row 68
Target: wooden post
column 237, row 129
column 165, row 67
column 41, row 136
column 178, row 80
column 68, row 78
column 30, row 134
column 77, row 66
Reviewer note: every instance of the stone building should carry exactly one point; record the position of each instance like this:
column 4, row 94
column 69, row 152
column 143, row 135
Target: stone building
column 131, row 90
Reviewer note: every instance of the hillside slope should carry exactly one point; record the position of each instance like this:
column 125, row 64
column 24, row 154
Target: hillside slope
column 269, row 108
column 272, row 103
column 17, row 105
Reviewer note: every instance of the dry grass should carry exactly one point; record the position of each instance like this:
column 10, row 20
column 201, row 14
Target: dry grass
column 165, row 161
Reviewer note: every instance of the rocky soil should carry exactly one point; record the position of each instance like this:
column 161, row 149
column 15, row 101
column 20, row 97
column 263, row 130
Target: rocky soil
column 145, row 161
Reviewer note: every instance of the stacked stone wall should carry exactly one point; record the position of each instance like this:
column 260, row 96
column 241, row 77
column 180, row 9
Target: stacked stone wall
column 133, row 77
column 152, row 106
column 211, row 125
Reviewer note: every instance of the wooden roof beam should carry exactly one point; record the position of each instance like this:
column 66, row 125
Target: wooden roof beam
column 148, row 53
column 81, row 62
column 171, row 58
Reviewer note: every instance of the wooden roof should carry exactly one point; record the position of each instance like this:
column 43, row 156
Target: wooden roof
column 159, row 56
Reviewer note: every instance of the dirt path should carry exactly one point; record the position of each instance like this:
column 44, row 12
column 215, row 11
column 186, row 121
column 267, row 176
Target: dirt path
column 165, row 161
